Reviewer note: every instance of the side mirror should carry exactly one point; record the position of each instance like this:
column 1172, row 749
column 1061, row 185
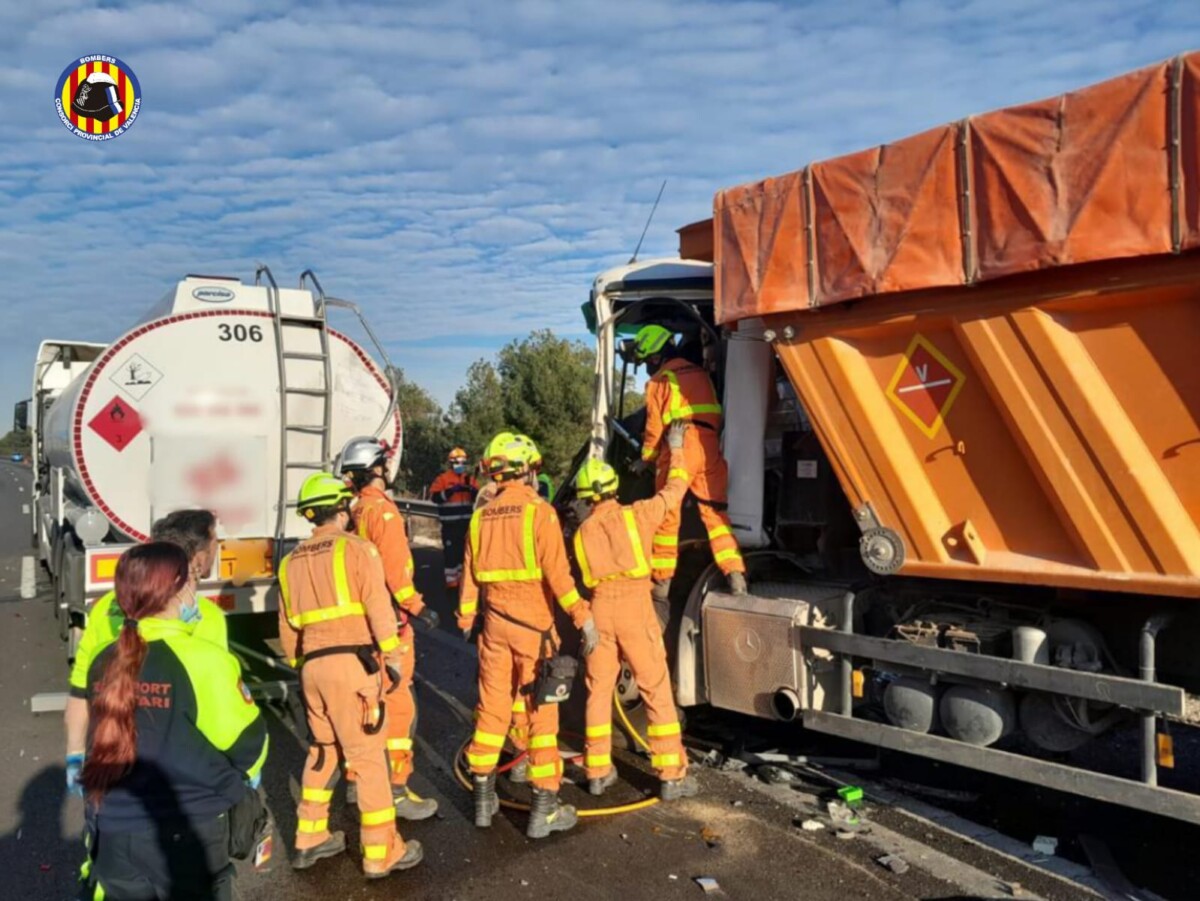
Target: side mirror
column 21, row 416
column 627, row 351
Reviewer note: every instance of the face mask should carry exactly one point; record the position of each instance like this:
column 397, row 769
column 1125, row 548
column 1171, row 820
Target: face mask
column 189, row 612
column 459, row 468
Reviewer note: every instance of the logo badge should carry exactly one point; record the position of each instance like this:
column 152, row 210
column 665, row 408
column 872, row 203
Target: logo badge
column 98, row 97
column 925, row 386
column 213, row 294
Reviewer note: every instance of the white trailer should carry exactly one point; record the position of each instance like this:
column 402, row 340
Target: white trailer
column 224, row 396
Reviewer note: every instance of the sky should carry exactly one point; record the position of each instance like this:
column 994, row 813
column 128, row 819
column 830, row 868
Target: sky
column 464, row 169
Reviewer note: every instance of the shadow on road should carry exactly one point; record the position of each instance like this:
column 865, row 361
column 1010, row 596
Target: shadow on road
column 35, row 859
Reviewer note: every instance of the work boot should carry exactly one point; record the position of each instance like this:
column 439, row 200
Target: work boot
column 413, row 855
column 547, row 815
column 737, row 583
column 598, row 786
column 676, row 789
column 519, row 774
column 410, row 805
column 331, row 847
column 487, row 802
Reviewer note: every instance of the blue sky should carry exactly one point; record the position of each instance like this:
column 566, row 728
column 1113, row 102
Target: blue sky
column 463, row 169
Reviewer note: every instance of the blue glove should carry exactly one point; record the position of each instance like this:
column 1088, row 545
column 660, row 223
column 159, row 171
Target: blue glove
column 74, row 771
column 254, row 781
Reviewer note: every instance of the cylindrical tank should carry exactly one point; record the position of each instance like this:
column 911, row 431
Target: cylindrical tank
column 185, row 410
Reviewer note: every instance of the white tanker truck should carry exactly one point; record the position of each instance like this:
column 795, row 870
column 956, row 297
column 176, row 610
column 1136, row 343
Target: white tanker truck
column 224, row 396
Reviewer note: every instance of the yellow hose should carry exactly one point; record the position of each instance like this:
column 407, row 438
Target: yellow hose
column 590, row 812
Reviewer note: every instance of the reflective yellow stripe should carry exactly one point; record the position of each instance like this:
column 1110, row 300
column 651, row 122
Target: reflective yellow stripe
column 678, row 474
column 399, row 744
column 599, row 731
column 489, row 739
column 649, row 453
column 663, row 730
column 379, row 817
column 598, row 760
column 667, row 563
column 661, row 761
column 325, row 614
column 390, row 643
column 295, row 662
column 468, row 608
column 375, row 852
column 666, row 541
column 362, row 528
column 641, row 568
column 483, row 760
column 256, row 767
column 730, row 554
column 312, row 827
column 404, row 594
column 540, row 742
column 340, row 580
column 284, row 595
column 720, row 532
column 585, row 568
column 518, row 706
column 388, row 517
column 545, row 771
column 569, row 600
column 317, row 795
column 675, row 407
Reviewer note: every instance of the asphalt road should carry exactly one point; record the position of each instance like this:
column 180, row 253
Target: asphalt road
column 741, row 836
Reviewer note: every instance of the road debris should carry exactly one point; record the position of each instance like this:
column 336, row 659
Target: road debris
column 852, row 795
column 812, row 826
column 844, row 819
column 711, row 837
column 1045, row 844
column 893, row 862
column 710, row 885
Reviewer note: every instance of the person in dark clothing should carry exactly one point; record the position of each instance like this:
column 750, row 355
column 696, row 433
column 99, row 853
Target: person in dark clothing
column 176, row 742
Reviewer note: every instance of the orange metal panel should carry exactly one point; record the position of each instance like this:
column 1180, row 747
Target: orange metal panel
column 1035, row 430
column 1189, row 150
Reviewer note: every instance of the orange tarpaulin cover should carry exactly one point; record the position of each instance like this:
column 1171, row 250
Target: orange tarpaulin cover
column 1078, row 178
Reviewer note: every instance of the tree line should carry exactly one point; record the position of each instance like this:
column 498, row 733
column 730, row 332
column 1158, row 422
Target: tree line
column 540, row 385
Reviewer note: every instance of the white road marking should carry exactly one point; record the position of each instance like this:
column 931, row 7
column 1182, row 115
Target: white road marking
column 28, row 583
column 924, row 386
column 25, row 509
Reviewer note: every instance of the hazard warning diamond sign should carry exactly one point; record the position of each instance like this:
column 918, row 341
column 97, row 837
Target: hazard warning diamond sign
column 118, row 424
column 925, row 385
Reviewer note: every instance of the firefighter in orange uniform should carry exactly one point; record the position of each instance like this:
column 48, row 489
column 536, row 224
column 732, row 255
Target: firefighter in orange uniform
column 681, row 391
column 613, row 548
column 454, row 491
column 336, row 622
column 516, row 553
column 363, row 464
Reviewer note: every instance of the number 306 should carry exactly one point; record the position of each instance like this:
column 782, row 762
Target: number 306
column 240, row 332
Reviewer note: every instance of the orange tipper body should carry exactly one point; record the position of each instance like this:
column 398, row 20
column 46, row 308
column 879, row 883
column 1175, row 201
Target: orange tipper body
column 1015, row 391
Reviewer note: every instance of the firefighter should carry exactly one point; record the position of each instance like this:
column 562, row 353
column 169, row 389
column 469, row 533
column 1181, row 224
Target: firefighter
column 679, row 390
column 336, row 622
column 363, row 464
column 516, row 553
column 454, row 491
column 613, row 548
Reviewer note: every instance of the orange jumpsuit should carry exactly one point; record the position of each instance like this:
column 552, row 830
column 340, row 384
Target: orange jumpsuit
column 333, row 595
column 378, row 520
column 682, row 390
column 516, row 550
column 454, row 494
column 613, row 548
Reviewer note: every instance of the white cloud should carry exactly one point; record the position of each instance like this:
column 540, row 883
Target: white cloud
column 464, row 169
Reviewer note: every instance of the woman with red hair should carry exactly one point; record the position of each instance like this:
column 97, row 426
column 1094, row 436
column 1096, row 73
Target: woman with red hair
column 176, row 742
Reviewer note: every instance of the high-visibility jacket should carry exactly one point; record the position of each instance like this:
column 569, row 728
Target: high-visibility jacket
column 680, row 390
column 452, row 488
column 614, row 545
column 516, row 550
column 332, row 594
column 377, row 519
column 200, row 735
column 104, row 623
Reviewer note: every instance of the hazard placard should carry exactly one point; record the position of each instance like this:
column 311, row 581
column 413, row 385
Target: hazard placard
column 117, row 423
column 925, row 386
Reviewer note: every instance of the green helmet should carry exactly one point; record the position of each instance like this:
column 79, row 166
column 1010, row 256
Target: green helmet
column 322, row 490
column 509, row 455
column 596, row 479
column 650, row 340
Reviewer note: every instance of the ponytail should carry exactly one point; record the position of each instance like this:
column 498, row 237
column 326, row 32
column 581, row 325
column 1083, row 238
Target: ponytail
column 114, row 734
column 147, row 578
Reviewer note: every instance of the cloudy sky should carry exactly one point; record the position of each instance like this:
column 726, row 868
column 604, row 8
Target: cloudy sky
column 463, row 169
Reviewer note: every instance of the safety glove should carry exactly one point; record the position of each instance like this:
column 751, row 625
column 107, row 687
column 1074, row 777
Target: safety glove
column 74, row 771
column 637, row 467
column 591, row 637
column 428, row 617
column 676, row 433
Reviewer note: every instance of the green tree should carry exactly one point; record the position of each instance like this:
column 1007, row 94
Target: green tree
column 477, row 413
column 425, row 435
column 16, row 443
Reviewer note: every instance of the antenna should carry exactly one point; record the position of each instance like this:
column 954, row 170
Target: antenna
column 649, row 219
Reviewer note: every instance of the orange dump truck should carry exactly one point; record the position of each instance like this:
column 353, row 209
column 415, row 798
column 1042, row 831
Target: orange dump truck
column 961, row 378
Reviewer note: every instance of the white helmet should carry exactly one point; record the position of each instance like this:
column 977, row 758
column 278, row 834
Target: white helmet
column 360, row 454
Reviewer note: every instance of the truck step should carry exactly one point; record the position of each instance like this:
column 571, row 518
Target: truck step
column 310, row 392
column 316, row 467
column 289, row 319
column 320, row 358
column 307, row 429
